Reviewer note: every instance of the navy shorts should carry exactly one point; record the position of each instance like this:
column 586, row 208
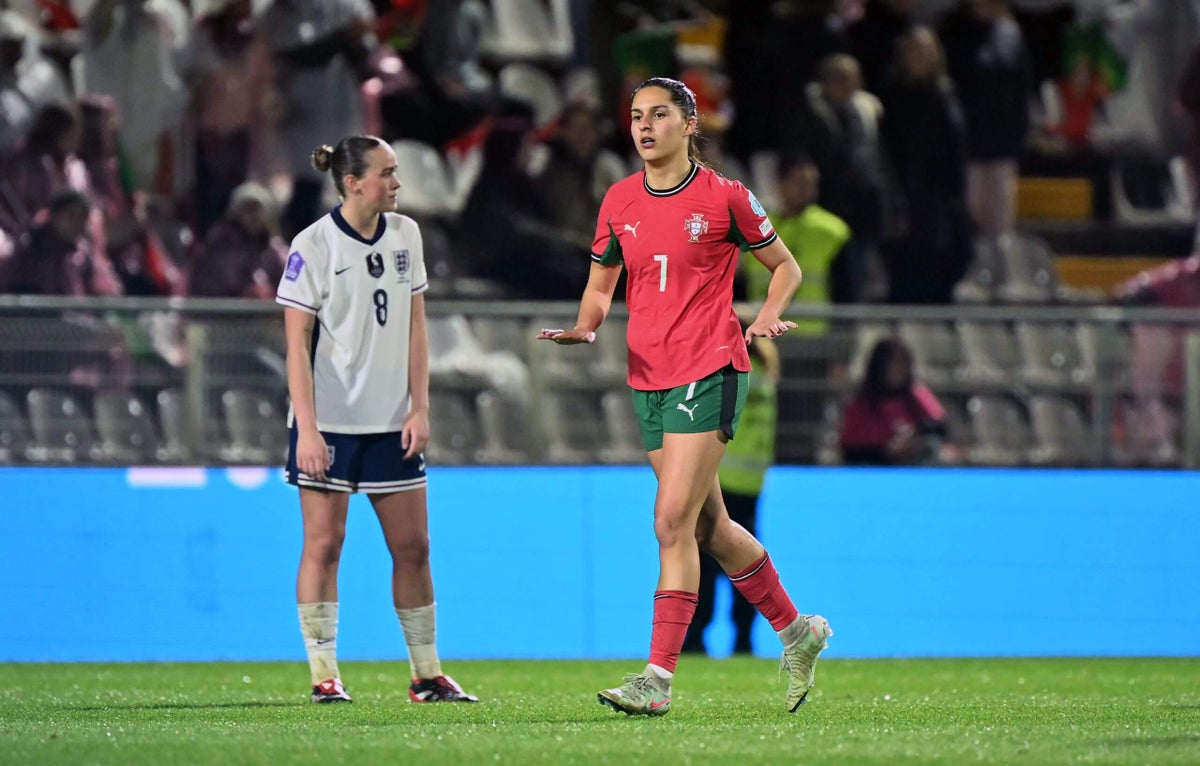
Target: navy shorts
column 371, row 463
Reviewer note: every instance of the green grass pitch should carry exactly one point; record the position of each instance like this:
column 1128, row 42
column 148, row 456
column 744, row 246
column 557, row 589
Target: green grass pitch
column 1020, row 711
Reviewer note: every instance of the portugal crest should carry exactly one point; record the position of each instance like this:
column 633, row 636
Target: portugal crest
column 695, row 226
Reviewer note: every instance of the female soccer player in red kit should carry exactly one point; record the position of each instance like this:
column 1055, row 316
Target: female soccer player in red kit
column 678, row 228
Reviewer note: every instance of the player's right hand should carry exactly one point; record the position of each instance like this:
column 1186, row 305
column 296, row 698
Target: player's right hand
column 567, row 337
column 312, row 456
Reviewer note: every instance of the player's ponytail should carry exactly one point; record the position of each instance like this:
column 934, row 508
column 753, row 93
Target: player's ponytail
column 683, row 98
column 349, row 157
column 321, row 157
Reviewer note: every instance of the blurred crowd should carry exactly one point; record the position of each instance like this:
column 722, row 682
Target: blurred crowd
column 160, row 147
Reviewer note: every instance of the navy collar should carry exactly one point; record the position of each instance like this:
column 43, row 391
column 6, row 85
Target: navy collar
column 349, row 230
column 674, row 189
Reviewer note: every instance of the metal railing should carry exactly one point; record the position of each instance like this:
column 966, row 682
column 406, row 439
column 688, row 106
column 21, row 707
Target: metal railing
column 116, row 380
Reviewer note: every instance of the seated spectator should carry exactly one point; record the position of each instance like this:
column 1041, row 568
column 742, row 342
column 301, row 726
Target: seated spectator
column 578, row 173
column 57, row 259
column 509, row 235
column 242, row 256
column 892, row 419
column 45, row 164
column 816, row 236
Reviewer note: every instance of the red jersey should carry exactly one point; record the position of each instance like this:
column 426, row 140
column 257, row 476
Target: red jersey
column 680, row 247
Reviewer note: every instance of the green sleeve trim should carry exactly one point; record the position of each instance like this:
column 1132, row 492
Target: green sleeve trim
column 612, row 255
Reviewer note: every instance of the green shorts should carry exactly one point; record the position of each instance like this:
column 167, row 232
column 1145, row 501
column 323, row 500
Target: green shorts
column 712, row 403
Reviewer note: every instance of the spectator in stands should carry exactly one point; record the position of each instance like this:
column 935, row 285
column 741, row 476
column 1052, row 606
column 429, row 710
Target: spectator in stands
column 45, row 164
column 929, row 246
column 742, row 474
column 130, row 53
column 57, row 259
column 242, row 256
column 817, row 237
column 840, row 130
column 800, row 36
column 232, row 78
column 320, row 49
column 892, row 418
column 510, row 236
column 990, row 65
column 452, row 92
column 578, row 172
column 28, row 80
column 874, row 39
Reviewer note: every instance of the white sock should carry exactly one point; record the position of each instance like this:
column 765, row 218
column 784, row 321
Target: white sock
column 661, row 673
column 318, row 625
column 420, row 630
column 794, row 632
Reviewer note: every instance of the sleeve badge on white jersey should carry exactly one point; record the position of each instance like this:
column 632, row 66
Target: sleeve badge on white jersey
column 295, row 264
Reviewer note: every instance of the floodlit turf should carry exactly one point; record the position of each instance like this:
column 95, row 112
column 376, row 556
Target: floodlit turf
column 1052, row 711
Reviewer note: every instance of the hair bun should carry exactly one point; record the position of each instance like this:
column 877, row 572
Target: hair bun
column 321, row 157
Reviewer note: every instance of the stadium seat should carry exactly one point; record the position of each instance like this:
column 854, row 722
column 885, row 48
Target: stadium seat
column 172, row 416
column 1062, row 434
column 1002, row 433
column 1106, row 350
column 990, row 354
column 1051, row 358
column 937, row 352
column 535, row 87
column 454, row 426
column 511, row 432
column 455, row 356
column 575, row 432
column 125, row 428
column 984, row 274
column 1029, row 275
column 624, row 436
column 425, row 185
column 14, row 431
column 62, row 431
column 256, row 428
column 503, row 333
column 528, row 30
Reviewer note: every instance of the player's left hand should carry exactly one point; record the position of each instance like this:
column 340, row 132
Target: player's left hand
column 414, row 436
column 768, row 327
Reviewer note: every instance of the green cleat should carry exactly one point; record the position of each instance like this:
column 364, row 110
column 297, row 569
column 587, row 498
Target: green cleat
column 800, row 660
column 641, row 695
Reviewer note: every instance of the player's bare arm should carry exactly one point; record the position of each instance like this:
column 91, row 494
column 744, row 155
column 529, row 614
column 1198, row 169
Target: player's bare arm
column 785, row 278
column 414, row 436
column 593, row 308
column 312, row 456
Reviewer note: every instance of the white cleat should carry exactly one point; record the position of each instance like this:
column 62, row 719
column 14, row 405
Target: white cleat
column 800, row 660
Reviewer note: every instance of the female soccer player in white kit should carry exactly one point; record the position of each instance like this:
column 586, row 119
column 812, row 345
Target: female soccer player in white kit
column 358, row 377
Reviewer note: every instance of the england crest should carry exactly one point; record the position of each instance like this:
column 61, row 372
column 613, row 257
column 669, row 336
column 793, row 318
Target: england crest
column 695, row 226
column 401, row 259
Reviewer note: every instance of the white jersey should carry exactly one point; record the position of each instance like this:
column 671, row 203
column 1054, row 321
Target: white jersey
column 361, row 292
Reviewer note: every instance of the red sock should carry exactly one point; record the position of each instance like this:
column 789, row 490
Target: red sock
column 759, row 583
column 673, row 610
